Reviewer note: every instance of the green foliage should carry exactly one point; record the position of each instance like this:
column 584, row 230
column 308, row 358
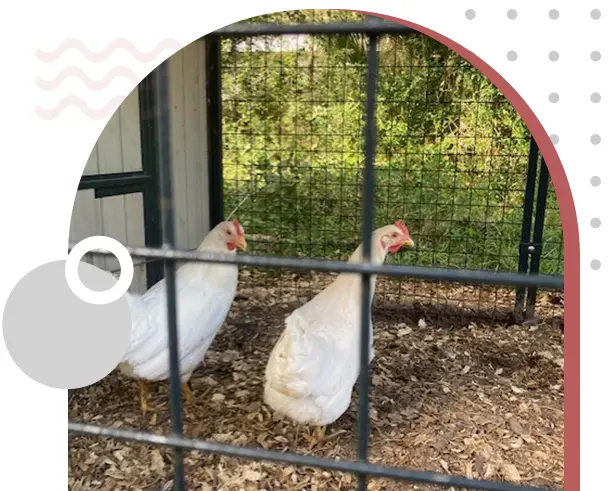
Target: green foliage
column 451, row 154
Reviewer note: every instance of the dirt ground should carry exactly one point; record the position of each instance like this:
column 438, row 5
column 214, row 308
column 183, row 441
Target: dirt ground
column 473, row 395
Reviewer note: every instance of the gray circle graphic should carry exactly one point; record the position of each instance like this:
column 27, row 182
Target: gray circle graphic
column 596, row 56
column 59, row 340
column 470, row 14
column 595, row 139
column 595, row 181
column 554, row 139
column 553, row 97
column 595, row 14
column 511, row 56
column 553, row 14
column 596, row 264
column 512, row 14
column 596, row 222
column 554, row 56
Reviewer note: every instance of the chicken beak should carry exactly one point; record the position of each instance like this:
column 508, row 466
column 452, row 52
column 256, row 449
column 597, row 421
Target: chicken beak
column 241, row 243
column 408, row 243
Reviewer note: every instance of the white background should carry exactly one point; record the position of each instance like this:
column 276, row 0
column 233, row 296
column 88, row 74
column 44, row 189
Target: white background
column 44, row 159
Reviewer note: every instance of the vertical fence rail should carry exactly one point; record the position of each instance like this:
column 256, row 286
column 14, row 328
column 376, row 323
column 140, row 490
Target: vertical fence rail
column 213, row 89
column 537, row 239
column 524, row 246
column 161, row 87
column 368, row 221
column 148, row 130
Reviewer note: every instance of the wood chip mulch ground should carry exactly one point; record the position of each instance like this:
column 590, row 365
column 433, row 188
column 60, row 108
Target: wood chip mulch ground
column 473, row 395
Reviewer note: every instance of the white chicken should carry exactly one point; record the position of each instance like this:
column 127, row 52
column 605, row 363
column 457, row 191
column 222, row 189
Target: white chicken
column 314, row 365
column 204, row 294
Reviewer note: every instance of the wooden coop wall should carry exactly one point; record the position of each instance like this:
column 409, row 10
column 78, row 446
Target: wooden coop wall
column 118, row 150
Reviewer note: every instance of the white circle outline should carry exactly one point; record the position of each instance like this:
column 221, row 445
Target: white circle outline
column 126, row 270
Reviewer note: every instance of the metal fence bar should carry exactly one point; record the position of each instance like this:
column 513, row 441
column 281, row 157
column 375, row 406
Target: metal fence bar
column 402, row 271
column 251, row 453
column 269, row 29
column 214, row 130
column 524, row 252
column 149, row 164
column 539, row 227
column 368, row 222
column 113, row 180
column 160, row 80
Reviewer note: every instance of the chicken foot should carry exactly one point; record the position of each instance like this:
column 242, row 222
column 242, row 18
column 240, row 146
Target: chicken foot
column 317, row 436
column 188, row 393
column 320, row 433
column 143, row 396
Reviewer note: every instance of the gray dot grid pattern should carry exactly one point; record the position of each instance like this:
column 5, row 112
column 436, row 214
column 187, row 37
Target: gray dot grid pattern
column 554, row 97
column 595, row 139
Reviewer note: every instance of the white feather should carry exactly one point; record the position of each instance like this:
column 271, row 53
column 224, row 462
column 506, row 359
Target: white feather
column 204, row 294
column 314, row 365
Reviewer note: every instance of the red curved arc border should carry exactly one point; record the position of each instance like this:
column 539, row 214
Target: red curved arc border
column 571, row 249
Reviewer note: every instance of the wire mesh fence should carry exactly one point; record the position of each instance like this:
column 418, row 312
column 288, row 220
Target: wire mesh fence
column 322, row 143
column 452, row 153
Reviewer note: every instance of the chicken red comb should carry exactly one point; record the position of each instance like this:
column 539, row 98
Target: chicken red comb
column 237, row 225
column 401, row 226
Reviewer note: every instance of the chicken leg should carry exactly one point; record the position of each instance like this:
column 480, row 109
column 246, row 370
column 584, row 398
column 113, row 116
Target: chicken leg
column 188, row 393
column 143, row 396
column 320, row 433
column 317, row 436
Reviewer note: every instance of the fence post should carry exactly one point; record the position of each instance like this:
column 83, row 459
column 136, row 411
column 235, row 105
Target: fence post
column 526, row 229
column 149, row 150
column 160, row 85
column 213, row 58
column 537, row 241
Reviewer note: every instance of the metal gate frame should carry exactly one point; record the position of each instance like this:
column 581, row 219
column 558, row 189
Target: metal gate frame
column 530, row 248
column 144, row 181
column 157, row 88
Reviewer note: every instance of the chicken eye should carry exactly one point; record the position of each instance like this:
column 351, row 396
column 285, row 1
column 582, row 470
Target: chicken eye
column 228, row 232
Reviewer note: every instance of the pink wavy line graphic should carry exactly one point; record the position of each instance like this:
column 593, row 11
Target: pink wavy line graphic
column 74, row 71
column 73, row 100
column 116, row 44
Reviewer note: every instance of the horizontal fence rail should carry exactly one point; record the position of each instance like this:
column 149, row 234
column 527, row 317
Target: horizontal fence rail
column 416, row 272
column 264, row 29
column 293, row 458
